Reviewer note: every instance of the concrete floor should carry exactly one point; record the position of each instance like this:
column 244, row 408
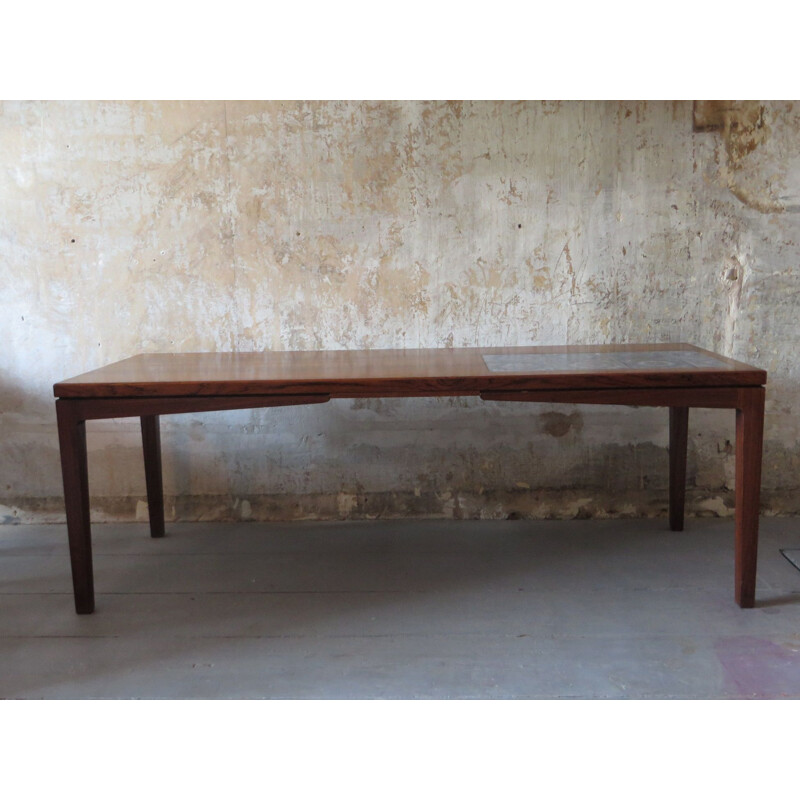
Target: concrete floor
column 401, row 609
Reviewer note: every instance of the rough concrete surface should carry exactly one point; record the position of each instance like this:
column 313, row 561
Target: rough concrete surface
column 432, row 609
column 131, row 227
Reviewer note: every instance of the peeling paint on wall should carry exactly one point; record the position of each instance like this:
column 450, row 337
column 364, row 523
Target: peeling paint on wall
column 144, row 227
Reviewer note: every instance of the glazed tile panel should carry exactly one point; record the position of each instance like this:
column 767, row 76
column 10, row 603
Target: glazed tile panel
column 599, row 362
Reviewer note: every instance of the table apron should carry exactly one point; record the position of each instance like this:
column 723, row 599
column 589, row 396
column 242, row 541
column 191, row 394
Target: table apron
column 719, row 397
column 87, row 408
column 114, row 407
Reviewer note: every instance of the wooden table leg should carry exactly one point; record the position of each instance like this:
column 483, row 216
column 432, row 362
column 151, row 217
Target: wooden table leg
column 678, row 435
column 151, row 444
column 75, row 473
column 749, row 439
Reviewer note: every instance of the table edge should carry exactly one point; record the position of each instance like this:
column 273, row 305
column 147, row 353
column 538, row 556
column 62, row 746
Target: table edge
column 414, row 386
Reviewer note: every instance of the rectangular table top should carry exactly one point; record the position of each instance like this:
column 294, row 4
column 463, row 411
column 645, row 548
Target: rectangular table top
column 387, row 373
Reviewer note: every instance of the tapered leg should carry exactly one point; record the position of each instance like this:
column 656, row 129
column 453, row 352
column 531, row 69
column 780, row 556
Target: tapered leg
column 75, row 473
column 151, row 443
column 678, row 434
column 749, row 439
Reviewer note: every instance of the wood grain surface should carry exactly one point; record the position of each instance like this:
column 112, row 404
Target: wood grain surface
column 386, row 373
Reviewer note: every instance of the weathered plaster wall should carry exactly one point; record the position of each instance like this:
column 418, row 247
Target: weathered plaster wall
column 145, row 227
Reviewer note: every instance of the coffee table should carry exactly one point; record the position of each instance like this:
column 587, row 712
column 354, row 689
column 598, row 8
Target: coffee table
column 675, row 376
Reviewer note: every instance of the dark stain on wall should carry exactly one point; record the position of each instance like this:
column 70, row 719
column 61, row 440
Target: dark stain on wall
column 557, row 424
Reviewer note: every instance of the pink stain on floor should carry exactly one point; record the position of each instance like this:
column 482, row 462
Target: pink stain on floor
column 758, row 668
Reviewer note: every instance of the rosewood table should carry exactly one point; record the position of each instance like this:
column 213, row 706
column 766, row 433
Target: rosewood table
column 675, row 376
